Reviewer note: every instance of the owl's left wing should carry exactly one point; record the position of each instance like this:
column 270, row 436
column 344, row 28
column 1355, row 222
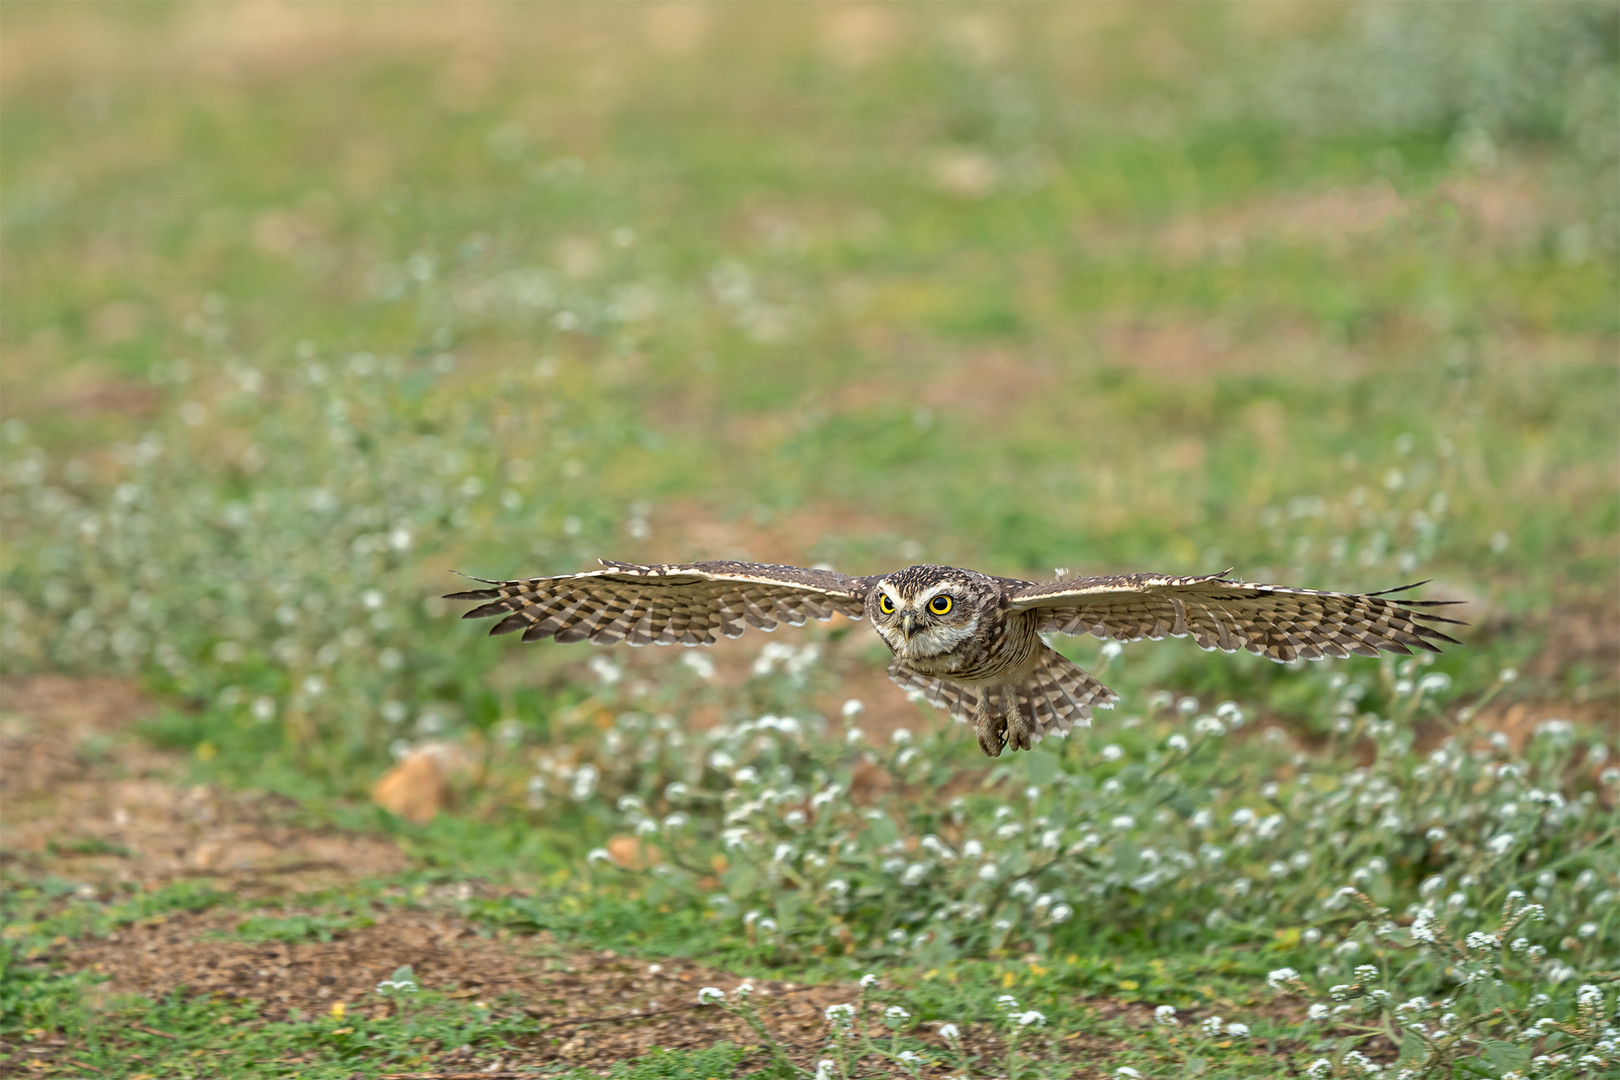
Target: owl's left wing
column 682, row 603
column 1272, row 620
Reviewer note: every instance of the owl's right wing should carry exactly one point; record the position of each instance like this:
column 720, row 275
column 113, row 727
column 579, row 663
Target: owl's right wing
column 682, row 603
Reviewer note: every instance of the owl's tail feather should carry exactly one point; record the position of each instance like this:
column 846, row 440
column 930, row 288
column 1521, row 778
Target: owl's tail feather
column 1054, row 695
column 1050, row 696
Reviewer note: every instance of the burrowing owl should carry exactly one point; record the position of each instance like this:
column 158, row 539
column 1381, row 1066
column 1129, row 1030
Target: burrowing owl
column 965, row 641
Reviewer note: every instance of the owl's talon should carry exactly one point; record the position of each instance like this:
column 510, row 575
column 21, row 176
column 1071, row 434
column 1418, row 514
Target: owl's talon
column 992, row 734
column 1020, row 734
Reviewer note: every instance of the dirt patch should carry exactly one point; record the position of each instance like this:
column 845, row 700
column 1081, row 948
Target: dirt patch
column 1581, row 635
column 590, row 1008
column 87, row 393
column 687, row 528
column 1518, row 720
column 1175, row 349
column 1506, row 209
column 1331, row 218
column 84, row 799
column 995, row 384
column 48, row 727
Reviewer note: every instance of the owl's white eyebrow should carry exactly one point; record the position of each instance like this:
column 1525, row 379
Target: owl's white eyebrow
column 893, row 596
column 924, row 597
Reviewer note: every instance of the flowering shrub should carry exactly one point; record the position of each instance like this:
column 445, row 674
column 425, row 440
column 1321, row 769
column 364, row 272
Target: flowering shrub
column 756, row 821
column 258, row 550
column 1481, row 1002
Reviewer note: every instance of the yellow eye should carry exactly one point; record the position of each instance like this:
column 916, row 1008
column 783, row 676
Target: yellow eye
column 940, row 605
column 885, row 605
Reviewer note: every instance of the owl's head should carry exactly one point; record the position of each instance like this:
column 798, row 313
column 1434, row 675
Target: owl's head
column 925, row 611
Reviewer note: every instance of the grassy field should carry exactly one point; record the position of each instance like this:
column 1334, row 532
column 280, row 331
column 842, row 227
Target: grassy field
column 306, row 306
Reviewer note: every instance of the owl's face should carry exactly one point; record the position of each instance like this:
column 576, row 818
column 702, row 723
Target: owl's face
column 926, row 611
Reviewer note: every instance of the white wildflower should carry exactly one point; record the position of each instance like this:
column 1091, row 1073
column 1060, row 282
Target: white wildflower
column 1279, row 977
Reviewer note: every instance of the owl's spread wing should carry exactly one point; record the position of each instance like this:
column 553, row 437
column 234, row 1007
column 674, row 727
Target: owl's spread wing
column 1272, row 620
column 682, row 604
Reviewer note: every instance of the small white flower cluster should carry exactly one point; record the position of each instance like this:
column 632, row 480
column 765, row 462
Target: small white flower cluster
column 794, row 660
column 1282, row 978
column 1214, row 1026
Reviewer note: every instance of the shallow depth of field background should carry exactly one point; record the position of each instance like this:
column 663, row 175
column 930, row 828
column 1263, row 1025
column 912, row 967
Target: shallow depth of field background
column 306, row 306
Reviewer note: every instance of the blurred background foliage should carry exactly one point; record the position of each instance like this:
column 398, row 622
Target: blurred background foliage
column 306, row 305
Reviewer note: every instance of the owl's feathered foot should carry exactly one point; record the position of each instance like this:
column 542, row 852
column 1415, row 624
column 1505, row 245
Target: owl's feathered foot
column 1020, row 731
column 992, row 732
column 996, row 733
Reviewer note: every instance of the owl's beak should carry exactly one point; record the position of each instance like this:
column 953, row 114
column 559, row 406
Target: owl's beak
column 906, row 622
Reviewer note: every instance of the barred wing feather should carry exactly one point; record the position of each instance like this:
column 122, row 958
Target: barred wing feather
column 683, row 603
column 1274, row 621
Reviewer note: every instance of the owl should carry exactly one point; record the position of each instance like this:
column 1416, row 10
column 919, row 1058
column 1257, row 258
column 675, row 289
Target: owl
column 964, row 641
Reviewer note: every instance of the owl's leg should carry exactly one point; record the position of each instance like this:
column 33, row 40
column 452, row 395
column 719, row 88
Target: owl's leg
column 992, row 730
column 1019, row 728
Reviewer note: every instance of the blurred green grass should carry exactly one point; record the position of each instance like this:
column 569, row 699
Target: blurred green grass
column 1013, row 288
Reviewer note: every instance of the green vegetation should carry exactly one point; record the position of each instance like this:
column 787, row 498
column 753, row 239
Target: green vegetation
column 305, row 309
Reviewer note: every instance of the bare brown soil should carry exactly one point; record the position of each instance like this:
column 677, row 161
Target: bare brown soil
column 82, row 798
column 591, row 1008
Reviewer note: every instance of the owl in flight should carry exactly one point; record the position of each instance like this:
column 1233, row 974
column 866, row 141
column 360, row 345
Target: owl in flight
column 965, row 641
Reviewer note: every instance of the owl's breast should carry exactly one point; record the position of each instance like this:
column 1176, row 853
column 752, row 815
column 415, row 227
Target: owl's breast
column 1000, row 645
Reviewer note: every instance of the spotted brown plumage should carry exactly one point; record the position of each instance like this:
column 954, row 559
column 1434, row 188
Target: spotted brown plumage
column 964, row 641
column 681, row 604
column 1273, row 621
